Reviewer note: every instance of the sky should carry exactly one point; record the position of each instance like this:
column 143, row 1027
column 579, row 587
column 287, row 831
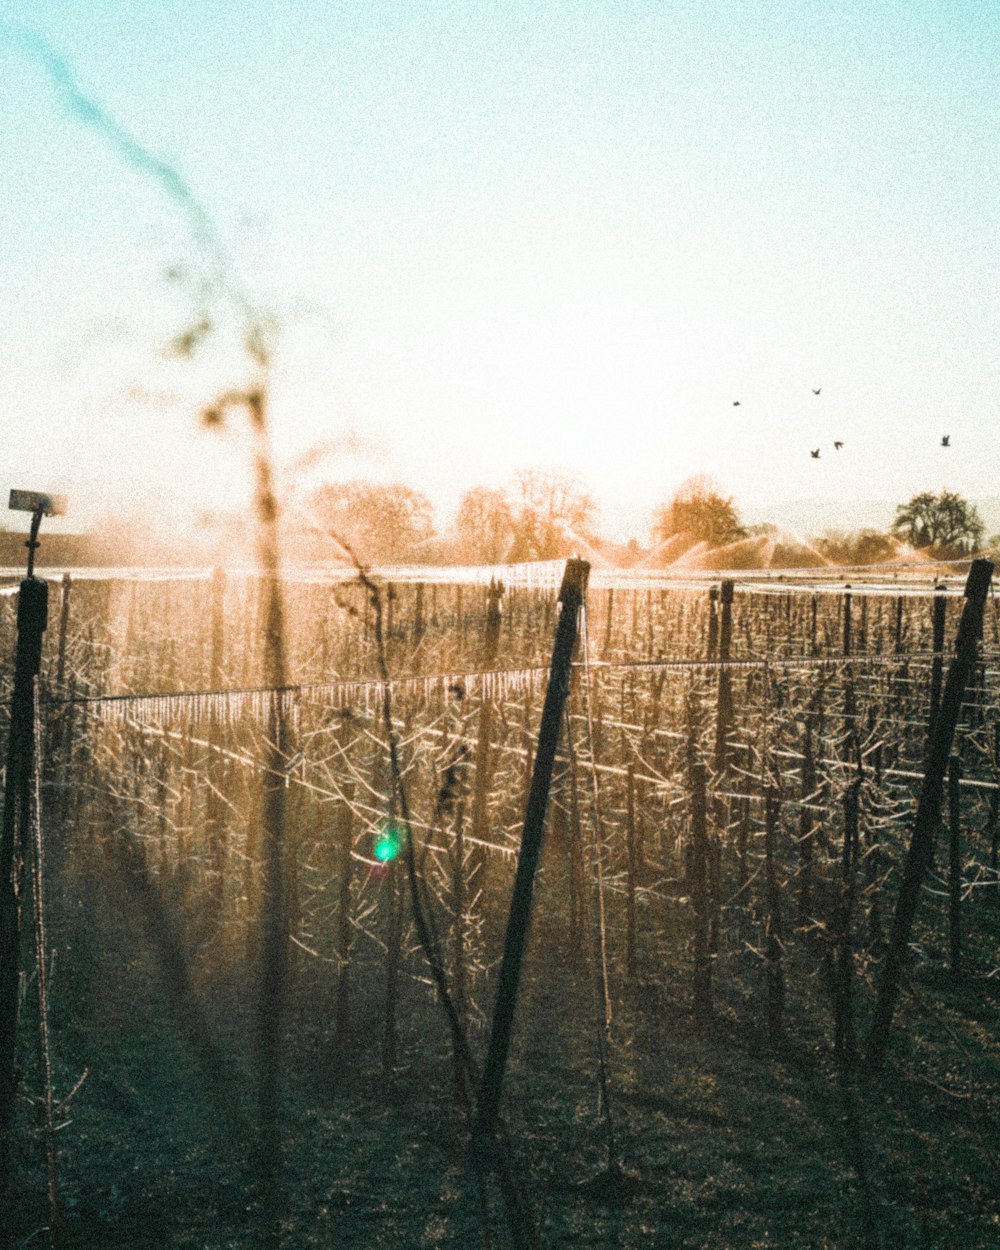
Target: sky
column 508, row 235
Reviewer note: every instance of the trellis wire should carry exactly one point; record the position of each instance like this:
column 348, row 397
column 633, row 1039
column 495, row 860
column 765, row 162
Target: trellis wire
column 545, row 575
column 228, row 706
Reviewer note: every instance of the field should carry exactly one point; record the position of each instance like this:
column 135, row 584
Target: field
column 247, row 1038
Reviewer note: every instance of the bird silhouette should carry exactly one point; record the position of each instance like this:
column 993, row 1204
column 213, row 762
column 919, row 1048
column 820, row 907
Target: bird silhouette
column 946, row 440
column 736, row 403
column 815, row 454
column 817, row 389
column 837, row 446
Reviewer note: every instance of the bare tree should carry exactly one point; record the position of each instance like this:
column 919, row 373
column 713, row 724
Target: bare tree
column 484, row 526
column 552, row 511
column 384, row 522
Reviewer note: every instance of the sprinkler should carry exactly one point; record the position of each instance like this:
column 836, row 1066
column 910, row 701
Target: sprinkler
column 39, row 505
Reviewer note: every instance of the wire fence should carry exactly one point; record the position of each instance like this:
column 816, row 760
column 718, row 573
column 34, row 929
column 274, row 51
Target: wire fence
column 713, row 758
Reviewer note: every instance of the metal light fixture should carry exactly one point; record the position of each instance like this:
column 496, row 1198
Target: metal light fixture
column 38, row 504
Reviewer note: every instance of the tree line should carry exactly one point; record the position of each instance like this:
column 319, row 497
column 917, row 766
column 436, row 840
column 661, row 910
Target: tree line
column 545, row 515
column 540, row 515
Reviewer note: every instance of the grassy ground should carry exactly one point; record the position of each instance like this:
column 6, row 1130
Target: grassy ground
column 734, row 1146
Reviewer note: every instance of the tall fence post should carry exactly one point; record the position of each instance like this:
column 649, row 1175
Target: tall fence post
column 343, row 839
column 64, row 725
column 32, row 618
column 724, row 707
column 955, row 866
column 631, row 875
column 488, row 655
column 773, row 928
column 218, row 602
column 723, row 731
column 571, row 597
column 849, row 738
column 992, row 822
column 67, row 586
column 807, row 797
column 843, row 976
column 215, row 831
column 928, row 815
column 713, row 623
column 699, row 889
column 937, row 665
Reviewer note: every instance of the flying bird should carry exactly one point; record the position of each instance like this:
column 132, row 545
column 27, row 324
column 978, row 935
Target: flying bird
column 837, row 446
column 736, row 403
column 815, row 454
column 817, row 389
column 946, row 440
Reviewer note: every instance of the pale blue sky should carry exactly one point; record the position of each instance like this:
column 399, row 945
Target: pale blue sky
column 518, row 234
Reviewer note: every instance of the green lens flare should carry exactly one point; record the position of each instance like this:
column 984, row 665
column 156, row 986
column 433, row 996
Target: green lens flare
column 388, row 844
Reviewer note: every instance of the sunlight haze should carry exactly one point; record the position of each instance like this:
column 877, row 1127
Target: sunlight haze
column 544, row 235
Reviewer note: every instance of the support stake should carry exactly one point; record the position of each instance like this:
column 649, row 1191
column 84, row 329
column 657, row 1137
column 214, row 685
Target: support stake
column 571, row 597
column 928, row 817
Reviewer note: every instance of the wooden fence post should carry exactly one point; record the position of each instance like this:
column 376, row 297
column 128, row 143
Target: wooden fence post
column 723, row 731
column 713, row 622
column 843, row 1000
column 572, row 595
column 631, row 875
column 215, row 811
column 390, row 899
column 994, row 810
column 488, row 655
column 419, row 627
column 218, row 629
column 32, row 618
column 391, row 595
column 699, row 888
column 873, row 862
column 67, row 586
column 928, row 815
column 64, row 730
column 807, row 795
column 608, row 622
column 773, row 930
column 724, row 710
column 344, row 850
column 849, row 739
column 937, row 665
column 954, row 867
